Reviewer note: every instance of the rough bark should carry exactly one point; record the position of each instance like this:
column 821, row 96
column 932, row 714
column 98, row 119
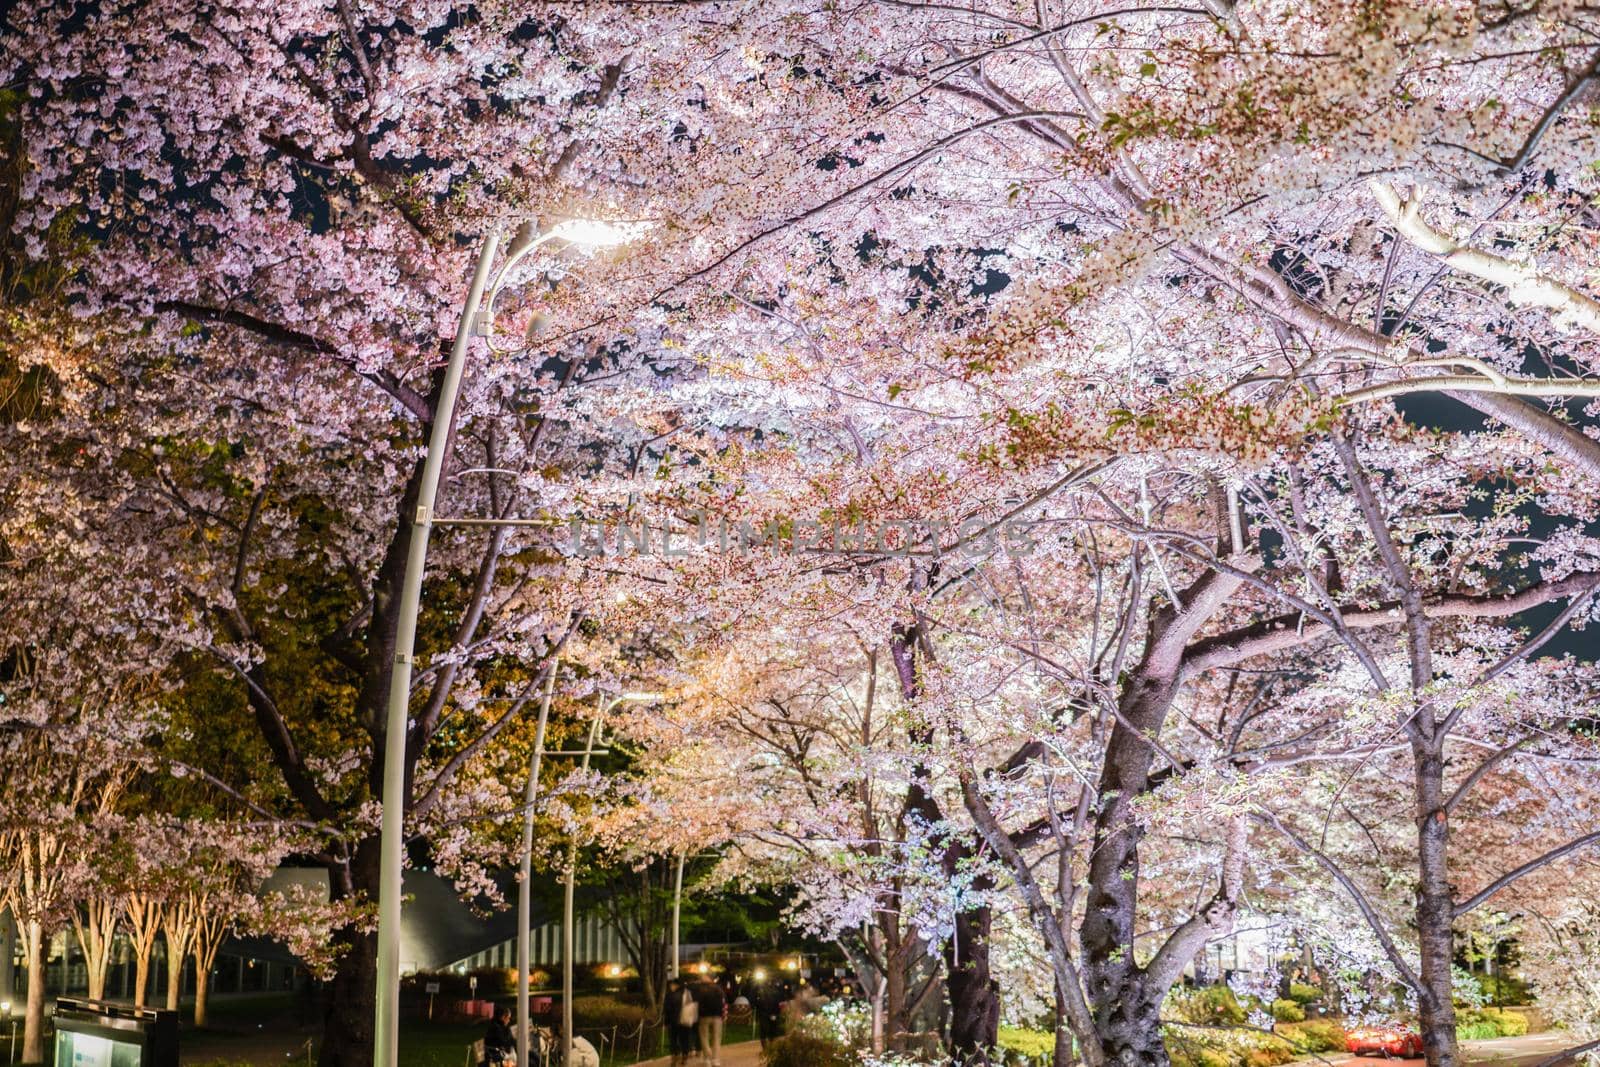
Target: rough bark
column 1126, row 1007
column 95, row 928
column 33, row 938
column 143, row 915
column 974, row 1005
column 1063, row 1055
column 177, row 955
column 967, row 977
column 348, row 1025
column 1435, row 914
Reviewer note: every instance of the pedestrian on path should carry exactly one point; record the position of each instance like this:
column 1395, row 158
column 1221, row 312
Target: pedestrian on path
column 768, row 1001
column 680, row 1012
column 713, row 1004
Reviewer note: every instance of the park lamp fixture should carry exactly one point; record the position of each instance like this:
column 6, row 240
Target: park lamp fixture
column 477, row 319
column 590, row 235
column 596, row 234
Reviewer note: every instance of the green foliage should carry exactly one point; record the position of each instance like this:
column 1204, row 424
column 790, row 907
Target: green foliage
column 1217, row 1033
column 1512, row 1023
column 1466, row 989
column 495, row 982
column 1481, row 1024
column 803, row 1050
column 602, row 1013
column 1199, row 1056
column 846, row 1023
column 1502, row 989
column 1268, row 1055
column 1025, row 1045
column 1288, row 1011
column 1301, row 993
column 1314, row 1035
column 1213, row 1006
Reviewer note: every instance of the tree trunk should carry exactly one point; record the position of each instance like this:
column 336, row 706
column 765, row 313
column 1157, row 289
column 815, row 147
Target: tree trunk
column 348, row 1030
column 141, row 976
column 202, row 990
column 974, row 1021
column 1064, row 1052
column 1435, row 908
column 892, row 987
column 175, row 962
column 33, row 1017
column 974, row 1006
column 1127, row 1020
column 142, row 915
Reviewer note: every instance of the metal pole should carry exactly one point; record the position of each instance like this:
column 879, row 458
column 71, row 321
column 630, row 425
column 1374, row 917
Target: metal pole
column 525, row 887
column 677, row 915
column 566, row 920
column 386, row 1036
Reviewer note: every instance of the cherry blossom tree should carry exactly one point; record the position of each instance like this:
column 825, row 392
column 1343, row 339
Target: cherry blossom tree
column 1152, row 278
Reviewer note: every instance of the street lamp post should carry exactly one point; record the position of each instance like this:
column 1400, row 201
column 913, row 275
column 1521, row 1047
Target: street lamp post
column 677, row 916
column 592, row 234
column 525, row 871
column 567, row 938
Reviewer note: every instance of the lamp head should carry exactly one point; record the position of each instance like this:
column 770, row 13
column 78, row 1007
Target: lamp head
column 597, row 233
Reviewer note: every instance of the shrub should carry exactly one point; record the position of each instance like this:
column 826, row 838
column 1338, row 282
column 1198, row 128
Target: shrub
column 1315, row 1035
column 494, row 982
column 1301, row 993
column 602, row 1013
column 1025, row 1045
column 1187, row 1055
column 1481, row 1024
column 1511, row 1023
column 1465, row 988
column 1504, row 990
column 847, row 1023
column 801, row 1050
column 1287, row 1011
column 1268, row 1055
column 1213, row 1005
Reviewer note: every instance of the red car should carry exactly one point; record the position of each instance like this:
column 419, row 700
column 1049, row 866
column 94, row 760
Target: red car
column 1394, row 1040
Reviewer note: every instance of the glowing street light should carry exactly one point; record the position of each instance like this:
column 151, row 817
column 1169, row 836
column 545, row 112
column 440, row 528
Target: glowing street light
column 597, row 233
column 583, row 233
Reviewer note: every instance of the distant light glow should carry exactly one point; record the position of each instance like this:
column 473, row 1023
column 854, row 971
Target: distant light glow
column 597, row 233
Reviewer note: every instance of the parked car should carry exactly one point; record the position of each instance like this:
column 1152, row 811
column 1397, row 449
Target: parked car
column 1393, row 1040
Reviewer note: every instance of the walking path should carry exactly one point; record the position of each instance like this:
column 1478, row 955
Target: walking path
column 1500, row 1052
column 744, row 1054
column 1522, row 1051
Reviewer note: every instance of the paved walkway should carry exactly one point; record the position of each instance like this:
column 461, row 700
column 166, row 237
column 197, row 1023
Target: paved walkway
column 1500, row 1052
column 1522, row 1051
column 744, row 1054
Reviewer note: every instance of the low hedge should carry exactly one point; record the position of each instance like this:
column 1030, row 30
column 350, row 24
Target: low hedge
column 799, row 1050
column 1211, row 1006
column 1479, row 1024
column 1301, row 993
column 1288, row 1011
column 1314, row 1035
column 1028, row 1045
column 604, row 1012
